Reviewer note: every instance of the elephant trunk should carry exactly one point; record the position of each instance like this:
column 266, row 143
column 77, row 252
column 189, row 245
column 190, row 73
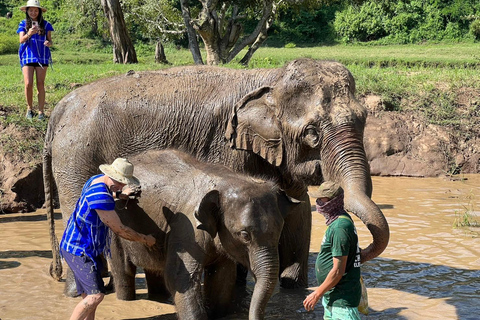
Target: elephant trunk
column 345, row 161
column 265, row 267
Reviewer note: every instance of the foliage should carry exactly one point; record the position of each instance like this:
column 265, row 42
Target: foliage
column 409, row 21
column 475, row 28
column 303, row 23
column 154, row 20
column 8, row 33
column 8, row 44
column 304, row 26
column 87, row 20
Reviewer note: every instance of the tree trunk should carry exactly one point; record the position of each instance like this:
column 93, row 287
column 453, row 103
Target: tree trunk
column 268, row 15
column 160, row 56
column 123, row 49
column 207, row 27
column 192, row 36
column 258, row 36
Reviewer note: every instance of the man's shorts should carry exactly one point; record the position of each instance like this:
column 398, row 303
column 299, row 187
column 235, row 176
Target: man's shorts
column 339, row 313
column 87, row 277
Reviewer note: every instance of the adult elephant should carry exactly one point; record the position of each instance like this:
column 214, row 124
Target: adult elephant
column 299, row 125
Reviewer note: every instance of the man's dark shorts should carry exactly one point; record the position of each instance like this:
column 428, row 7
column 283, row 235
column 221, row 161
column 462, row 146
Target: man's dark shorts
column 87, row 277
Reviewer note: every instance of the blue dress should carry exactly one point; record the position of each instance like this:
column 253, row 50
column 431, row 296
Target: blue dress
column 33, row 50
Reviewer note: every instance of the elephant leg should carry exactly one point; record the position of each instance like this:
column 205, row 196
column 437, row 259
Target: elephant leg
column 183, row 279
column 219, row 286
column 124, row 281
column 294, row 247
column 123, row 271
column 157, row 289
column 70, row 289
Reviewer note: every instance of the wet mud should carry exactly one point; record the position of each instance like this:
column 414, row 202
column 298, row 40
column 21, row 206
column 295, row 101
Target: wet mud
column 430, row 270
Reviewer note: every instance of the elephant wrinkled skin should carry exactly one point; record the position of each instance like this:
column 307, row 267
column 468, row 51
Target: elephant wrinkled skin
column 298, row 125
column 205, row 218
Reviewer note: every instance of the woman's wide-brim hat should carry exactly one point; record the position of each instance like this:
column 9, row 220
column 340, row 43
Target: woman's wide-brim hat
column 120, row 170
column 32, row 3
column 327, row 189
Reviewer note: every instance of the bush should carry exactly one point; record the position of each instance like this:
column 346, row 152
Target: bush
column 475, row 28
column 366, row 24
column 408, row 21
column 8, row 44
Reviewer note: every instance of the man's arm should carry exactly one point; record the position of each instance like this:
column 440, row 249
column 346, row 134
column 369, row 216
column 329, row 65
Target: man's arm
column 333, row 277
column 111, row 219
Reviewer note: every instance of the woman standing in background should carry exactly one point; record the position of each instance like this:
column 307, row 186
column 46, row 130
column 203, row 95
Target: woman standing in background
column 35, row 35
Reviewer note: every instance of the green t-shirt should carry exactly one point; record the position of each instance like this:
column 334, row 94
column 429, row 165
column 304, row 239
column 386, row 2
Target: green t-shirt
column 341, row 240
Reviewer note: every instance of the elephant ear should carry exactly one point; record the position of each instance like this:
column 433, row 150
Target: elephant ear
column 254, row 126
column 285, row 202
column 207, row 213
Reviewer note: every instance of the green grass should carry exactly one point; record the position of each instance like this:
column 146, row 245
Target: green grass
column 466, row 216
column 407, row 77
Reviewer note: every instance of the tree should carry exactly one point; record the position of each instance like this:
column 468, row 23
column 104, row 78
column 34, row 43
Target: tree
column 123, row 49
column 221, row 25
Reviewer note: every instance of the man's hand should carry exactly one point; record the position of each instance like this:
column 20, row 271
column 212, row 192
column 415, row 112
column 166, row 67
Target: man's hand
column 130, row 193
column 333, row 277
column 150, row 240
column 311, row 300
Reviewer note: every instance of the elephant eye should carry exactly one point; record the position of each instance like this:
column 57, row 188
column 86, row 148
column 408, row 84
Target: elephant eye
column 245, row 236
column 311, row 136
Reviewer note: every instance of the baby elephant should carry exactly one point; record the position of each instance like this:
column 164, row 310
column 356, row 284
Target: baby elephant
column 206, row 218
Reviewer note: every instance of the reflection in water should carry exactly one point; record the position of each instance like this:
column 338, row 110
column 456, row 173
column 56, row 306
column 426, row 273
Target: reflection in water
column 430, row 270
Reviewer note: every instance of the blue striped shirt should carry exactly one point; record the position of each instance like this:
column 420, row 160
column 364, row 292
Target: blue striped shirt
column 85, row 233
column 34, row 50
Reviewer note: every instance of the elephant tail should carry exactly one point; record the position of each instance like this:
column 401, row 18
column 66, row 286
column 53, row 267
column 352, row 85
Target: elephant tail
column 56, row 264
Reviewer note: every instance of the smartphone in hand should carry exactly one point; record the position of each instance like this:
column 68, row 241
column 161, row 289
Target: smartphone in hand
column 34, row 23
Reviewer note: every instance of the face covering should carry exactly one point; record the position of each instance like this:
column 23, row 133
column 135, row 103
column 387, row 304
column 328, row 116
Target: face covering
column 331, row 209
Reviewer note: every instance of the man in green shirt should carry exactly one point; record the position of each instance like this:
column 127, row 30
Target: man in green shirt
column 338, row 263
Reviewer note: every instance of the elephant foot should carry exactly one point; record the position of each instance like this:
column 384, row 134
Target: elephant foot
column 294, row 277
column 125, row 293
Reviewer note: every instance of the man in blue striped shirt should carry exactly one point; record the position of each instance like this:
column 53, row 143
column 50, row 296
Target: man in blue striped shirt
column 86, row 235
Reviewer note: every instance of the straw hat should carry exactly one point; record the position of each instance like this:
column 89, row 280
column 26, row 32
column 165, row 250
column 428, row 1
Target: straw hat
column 120, row 170
column 327, row 189
column 32, row 3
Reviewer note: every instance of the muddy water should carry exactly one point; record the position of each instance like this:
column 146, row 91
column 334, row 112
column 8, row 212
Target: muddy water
column 430, row 270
